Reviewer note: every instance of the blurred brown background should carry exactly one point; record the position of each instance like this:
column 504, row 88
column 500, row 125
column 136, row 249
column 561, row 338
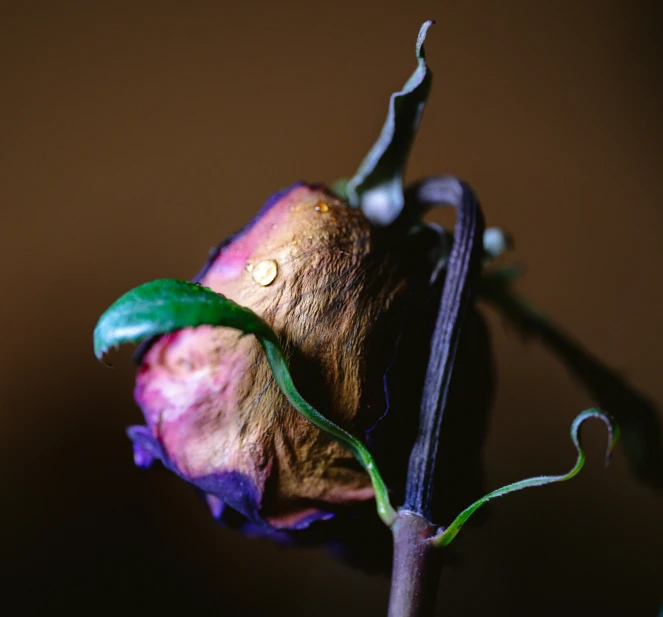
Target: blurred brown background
column 137, row 135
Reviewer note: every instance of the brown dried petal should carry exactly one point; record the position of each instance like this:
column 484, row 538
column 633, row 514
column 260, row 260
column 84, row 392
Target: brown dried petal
column 309, row 267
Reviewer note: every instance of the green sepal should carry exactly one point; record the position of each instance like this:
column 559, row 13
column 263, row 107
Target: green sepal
column 447, row 535
column 377, row 187
column 340, row 188
column 167, row 305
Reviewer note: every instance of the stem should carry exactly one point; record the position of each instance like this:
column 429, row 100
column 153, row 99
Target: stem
column 462, row 273
column 417, row 562
column 416, row 568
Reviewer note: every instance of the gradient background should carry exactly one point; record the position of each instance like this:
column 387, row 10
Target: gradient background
column 137, row 135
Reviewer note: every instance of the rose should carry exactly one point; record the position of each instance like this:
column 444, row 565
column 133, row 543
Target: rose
column 338, row 294
column 363, row 301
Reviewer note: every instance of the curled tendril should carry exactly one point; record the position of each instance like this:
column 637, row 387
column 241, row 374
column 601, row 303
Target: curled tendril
column 447, row 535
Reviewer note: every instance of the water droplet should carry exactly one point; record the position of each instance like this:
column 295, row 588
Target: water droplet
column 264, row 272
column 293, row 241
column 322, row 207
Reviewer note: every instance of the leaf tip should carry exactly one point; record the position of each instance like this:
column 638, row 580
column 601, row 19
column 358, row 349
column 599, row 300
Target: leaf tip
column 100, row 348
column 423, row 31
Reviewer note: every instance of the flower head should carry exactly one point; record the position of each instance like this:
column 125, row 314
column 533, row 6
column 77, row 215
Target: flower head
column 314, row 269
column 367, row 344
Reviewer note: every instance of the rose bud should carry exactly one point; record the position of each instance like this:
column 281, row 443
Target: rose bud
column 368, row 374
column 353, row 308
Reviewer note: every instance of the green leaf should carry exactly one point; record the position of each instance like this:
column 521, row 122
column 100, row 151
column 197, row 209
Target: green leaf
column 377, row 187
column 636, row 413
column 166, row 305
column 448, row 534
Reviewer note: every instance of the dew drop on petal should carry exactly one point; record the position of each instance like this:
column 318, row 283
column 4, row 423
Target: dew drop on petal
column 321, row 207
column 264, row 272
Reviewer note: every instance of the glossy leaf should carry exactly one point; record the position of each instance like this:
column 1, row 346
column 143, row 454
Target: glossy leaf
column 448, row 534
column 377, row 187
column 167, row 305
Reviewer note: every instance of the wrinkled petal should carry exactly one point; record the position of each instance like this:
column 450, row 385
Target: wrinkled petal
column 310, row 267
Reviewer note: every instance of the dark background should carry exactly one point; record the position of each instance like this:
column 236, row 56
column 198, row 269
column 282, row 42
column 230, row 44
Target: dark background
column 137, row 135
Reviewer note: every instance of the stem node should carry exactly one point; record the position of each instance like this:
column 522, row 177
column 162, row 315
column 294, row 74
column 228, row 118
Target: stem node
column 416, row 567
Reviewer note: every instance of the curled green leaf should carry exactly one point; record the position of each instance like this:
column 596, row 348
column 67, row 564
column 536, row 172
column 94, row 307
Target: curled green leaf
column 377, row 186
column 167, row 305
column 448, row 534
